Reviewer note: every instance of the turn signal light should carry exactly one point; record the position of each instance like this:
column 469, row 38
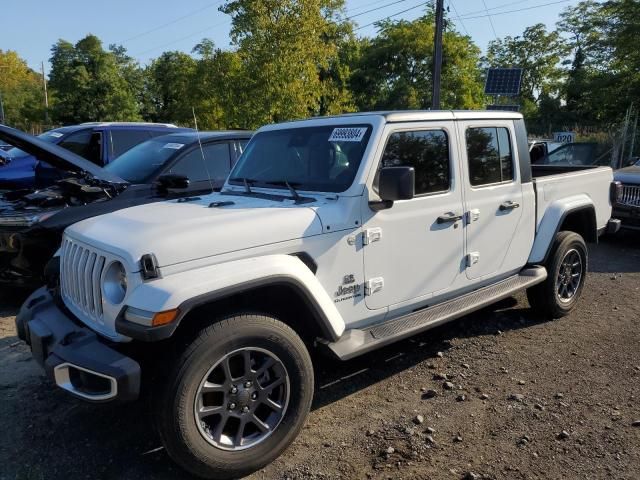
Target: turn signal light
column 163, row 318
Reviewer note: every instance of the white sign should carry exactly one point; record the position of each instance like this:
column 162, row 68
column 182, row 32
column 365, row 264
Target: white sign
column 347, row 134
column 174, row 146
column 564, row 137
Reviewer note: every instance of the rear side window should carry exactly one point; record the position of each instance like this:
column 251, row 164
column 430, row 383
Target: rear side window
column 123, row 140
column 427, row 151
column 218, row 163
column 489, row 155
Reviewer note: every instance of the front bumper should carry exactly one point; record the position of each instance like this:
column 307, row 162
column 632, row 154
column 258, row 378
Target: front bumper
column 73, row 356
column 629, row 216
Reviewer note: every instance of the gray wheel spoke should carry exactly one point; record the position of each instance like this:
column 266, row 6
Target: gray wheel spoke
column 213, row 387
column 263, row 427
column 276, row 383
column 217, row 433
column 226, row 368
column 246, row 356
column 272, row 405
column 269, row 362
column 237, row 439
column 208, row 411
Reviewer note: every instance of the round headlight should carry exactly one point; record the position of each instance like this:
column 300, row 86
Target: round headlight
column 114, row 284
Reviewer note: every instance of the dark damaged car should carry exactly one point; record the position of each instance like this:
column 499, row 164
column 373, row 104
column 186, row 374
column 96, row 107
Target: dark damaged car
column 166, row 167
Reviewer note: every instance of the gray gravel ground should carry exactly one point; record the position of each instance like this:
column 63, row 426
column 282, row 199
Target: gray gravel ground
column 530, row 399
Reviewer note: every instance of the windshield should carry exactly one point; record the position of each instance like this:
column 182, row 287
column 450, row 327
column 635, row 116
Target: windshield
column 322, row 159
column 52, row 136
column 142, row 162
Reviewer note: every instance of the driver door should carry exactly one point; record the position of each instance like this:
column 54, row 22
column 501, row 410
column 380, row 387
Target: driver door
column 415, row 248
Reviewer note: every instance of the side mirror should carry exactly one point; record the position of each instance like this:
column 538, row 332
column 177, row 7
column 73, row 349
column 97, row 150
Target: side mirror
column 396, row 183
column 171, row 181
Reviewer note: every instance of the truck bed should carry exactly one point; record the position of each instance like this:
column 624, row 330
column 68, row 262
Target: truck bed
column 567, row 181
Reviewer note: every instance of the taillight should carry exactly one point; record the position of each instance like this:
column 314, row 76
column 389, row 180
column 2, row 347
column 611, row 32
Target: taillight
column 615, row 192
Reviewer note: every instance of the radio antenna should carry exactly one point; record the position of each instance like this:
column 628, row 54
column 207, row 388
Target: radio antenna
column 204, row 162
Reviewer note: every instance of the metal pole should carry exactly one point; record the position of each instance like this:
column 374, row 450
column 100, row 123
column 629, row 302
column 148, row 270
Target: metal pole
column 1, row 110
column 46, row 96
column 437, row 55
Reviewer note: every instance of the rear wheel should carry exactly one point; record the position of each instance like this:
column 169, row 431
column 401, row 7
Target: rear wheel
column 237, row 398
column 566, row 268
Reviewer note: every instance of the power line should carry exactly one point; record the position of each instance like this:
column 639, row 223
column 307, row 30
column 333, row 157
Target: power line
column 453, row 5
column 160, row 27
column 393, row 15
column 514, row 11
column 496, row 7
column 355, row 9
column 374, row 9
column 490, row 20
column 179, row 39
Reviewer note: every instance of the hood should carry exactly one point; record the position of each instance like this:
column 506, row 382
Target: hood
column 628, row 174
column 182, row 231
column 57, row 156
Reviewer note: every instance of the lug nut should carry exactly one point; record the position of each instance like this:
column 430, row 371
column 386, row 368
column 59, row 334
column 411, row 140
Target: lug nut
column 232, row 406
column 247, row 384
column 254, row 395
column 234, row 389
column 245, row 409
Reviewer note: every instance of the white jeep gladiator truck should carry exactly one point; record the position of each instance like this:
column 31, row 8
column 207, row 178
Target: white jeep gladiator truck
column 341, row 233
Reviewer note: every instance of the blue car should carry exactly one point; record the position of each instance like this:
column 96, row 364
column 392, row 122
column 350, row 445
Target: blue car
column 99, row 143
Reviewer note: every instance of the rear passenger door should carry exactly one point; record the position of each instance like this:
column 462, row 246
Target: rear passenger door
column 493, row 196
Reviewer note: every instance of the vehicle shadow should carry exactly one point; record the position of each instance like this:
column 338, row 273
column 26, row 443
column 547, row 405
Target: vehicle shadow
column 120, row 441
column 619, row 253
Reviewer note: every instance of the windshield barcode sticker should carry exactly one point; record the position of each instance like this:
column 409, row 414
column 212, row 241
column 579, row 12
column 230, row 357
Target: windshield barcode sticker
column 347, row 134
column 55, row 134
column 174, row 146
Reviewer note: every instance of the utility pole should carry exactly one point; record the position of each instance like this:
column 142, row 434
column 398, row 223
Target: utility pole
column 2, row 118
column 46, row 97
column 437, row 55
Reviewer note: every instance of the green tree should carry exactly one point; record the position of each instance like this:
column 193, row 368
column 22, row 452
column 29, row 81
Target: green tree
column 215, row 74
column 21, row 92
column 394, row 70
column 169, row 87
column 288, row 53
column 89, row 84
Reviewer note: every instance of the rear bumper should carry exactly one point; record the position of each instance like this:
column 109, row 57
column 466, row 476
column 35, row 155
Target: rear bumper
column 73, row 356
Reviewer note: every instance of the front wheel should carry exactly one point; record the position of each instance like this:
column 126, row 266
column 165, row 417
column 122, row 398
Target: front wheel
column 566, row 269
column 237, row 398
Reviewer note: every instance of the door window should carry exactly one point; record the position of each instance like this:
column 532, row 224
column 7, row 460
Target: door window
column 123, row 140
column 427, row 151
column 216, row 158
column 489, row 156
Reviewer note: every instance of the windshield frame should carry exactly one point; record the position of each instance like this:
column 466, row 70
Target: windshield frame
column 235, row 180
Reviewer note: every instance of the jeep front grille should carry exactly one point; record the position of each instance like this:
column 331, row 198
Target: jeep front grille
column 630, row 195
column 80, row 273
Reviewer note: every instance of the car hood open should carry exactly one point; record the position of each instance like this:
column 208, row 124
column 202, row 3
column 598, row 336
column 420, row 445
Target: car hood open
column 57, row 156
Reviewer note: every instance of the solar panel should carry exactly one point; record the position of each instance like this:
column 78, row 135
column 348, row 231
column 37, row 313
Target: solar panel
column 503, row 81
column 508, row 108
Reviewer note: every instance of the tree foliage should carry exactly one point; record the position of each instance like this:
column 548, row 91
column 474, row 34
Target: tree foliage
column 21, row 91
column 288, row 51
column 90, row 83
column 394, row 70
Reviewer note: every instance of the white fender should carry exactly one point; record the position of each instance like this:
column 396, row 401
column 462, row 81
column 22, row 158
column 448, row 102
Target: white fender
column 223, row 279
column 553, row 216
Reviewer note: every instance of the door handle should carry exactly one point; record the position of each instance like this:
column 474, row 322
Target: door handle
column 509, row 205
column 448, row 218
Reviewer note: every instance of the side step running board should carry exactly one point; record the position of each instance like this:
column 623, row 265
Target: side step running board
column 356, row 342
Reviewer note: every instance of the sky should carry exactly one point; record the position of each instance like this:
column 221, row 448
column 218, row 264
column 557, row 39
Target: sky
column 146, row 28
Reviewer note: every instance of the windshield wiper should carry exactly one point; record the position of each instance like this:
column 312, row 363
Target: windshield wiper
column 246, row 181
column 284, row 183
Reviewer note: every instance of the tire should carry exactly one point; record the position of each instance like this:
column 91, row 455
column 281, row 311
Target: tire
column 218, row 355
column 557, row 296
